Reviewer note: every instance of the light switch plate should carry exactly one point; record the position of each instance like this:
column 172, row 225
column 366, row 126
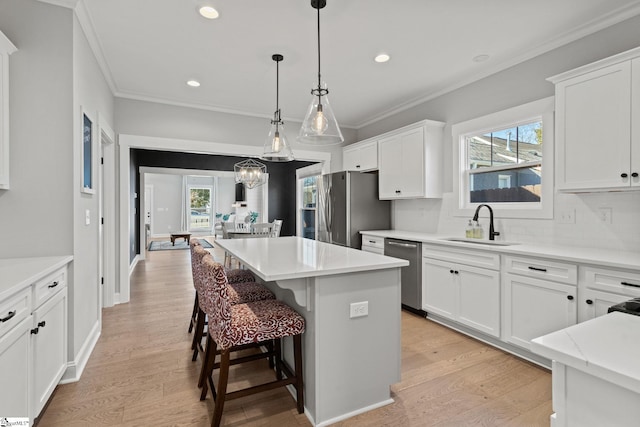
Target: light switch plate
column 87, row 217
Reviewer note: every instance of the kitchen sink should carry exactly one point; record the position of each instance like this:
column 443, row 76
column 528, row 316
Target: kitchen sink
column 479, row 241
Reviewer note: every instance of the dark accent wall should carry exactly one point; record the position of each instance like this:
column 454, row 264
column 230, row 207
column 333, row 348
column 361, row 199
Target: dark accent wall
column 134, row 215
column 282, row 183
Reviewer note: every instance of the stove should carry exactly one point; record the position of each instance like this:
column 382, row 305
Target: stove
column 631, row 307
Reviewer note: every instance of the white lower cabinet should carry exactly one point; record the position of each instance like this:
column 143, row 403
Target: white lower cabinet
column 33, row 344
column 373, row 244
column 466, row 294
column 15, row 369
column 49, row 348
column 600, row 288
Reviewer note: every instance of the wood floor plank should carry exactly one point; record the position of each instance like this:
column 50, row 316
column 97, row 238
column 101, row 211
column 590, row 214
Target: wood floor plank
column 141, row 373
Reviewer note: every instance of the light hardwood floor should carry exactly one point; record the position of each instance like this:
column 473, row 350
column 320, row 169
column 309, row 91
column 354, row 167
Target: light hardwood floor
column 141, row 374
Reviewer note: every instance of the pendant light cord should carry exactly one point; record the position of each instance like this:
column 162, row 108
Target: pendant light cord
column 277, row 93
column 319, row 78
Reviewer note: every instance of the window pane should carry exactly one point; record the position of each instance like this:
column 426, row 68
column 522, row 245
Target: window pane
column 505, row 146
column 309, row 223
column 511, row 185
column 309, row 192
column 200, row 200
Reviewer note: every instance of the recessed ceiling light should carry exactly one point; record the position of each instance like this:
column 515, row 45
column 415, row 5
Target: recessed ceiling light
column 193, row 83
column 480, row 58
column 383, row 57
column 208, row 12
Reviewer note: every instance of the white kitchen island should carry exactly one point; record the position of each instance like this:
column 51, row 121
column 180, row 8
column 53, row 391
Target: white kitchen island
column 596, row 371
column 349, row 362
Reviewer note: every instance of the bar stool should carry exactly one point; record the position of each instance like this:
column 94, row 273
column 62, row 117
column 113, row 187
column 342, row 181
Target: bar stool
column 233, row 275
column 235, row 326
column 240, row 292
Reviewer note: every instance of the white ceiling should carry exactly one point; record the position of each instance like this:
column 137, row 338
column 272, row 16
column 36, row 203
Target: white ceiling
column 149, row 48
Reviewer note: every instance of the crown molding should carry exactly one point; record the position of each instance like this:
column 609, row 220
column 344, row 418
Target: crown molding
column 71, row 4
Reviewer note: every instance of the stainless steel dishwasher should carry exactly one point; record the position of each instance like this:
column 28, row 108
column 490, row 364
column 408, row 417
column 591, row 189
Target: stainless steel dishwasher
column 411, row 276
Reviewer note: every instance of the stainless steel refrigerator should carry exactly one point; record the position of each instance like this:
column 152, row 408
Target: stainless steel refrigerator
column 347, row 204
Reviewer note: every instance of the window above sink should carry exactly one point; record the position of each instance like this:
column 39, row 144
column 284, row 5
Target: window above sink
column 506, row 159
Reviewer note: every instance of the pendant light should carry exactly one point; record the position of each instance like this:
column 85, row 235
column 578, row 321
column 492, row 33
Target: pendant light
column 250, row 172
column 320, row 126
column 276, row 146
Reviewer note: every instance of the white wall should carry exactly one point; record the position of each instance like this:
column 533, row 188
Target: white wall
column 168, row 121
column 515, row 86
column 36, row 214
column 93, row 96
column 226, row 195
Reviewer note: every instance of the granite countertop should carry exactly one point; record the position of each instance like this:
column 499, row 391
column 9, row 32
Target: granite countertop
column 599, row 257
column 19, row 273
column 606, row 347
column 294, row 257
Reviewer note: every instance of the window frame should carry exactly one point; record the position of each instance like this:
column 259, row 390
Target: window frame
column 543, row 110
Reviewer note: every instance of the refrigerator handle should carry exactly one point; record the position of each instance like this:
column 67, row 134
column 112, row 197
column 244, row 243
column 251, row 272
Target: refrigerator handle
column 328, row 209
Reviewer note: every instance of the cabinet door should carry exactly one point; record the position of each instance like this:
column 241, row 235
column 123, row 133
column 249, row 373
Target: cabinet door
column 15, row 370
column 351, row 159
column 635, row 124
column 390, row 173
column 594, row 303
column 479, row 300
column 412, row 181
column 369, row 156
column 536, row 307
column 594, row 129
column 439, row 293
column 49, row 348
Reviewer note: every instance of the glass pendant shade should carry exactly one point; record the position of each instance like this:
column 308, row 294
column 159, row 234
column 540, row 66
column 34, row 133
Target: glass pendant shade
column 276, row 146
column 250, row 172
column 320, row 126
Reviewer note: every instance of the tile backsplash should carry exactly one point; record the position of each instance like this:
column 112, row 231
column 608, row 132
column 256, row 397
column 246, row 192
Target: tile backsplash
column 609, row 220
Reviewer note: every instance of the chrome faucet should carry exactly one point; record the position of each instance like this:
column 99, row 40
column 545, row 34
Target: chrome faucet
column 492, row 232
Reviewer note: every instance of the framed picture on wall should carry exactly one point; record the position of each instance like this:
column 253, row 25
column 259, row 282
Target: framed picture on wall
column 87, row 176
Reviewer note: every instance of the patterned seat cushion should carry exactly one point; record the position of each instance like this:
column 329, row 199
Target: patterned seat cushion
column 239, row 275
column 241, row 293
column 233, row 325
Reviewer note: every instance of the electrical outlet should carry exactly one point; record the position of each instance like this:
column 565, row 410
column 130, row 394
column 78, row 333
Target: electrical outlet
column 567, row 216
column 359, row 309
column 605, row 215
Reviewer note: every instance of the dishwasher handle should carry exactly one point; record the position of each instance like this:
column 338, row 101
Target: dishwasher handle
column 403, row 245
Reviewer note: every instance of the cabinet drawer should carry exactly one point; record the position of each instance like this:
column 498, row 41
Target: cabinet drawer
column 542, row 269
column 482, row 259
column 615, row 281
column 373, row 249
column 49, row 286
column 14, row 309
column 373, row 241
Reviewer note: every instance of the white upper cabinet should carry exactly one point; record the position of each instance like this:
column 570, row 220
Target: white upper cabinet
column 361, row 156
column 6, row 49
column 598, row 125
column 410, row 162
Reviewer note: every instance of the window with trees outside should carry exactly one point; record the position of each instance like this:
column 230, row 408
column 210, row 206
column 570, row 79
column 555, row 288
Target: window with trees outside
column 506, row 160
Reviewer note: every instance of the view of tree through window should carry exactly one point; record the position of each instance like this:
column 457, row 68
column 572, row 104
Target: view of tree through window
column 200, row 203
column 505, row 165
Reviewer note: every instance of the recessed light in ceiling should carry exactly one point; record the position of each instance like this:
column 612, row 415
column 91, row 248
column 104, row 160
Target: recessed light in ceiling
column 480, row 58
column 383, row 57
column 193, row 83
column 208, row 12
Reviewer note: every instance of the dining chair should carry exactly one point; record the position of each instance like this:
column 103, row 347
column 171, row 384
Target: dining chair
column 261, row 229
column 277, row 226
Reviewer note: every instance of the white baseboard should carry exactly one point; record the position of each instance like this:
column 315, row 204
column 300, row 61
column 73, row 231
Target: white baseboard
column 116, row 298
column 133, row 264
column 76, row 367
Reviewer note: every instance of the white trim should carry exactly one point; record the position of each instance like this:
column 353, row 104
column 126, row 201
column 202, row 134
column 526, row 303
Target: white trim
column 76, row 366
column 614, row 17
column 107, row 210
column 126, row 142
column 521, row 114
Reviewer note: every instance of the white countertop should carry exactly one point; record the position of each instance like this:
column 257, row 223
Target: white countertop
column 295, row 257
column 606, row 347
column 601, row 257
column 19, row 273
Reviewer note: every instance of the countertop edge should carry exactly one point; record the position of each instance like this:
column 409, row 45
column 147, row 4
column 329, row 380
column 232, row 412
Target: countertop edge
column 41, row 267
column 599, row 257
